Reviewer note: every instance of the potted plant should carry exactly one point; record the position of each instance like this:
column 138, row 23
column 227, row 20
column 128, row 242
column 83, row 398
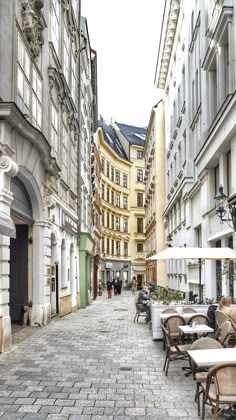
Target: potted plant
column 101, row 286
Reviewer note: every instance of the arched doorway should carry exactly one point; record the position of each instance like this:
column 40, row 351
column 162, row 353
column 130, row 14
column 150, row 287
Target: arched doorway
column 72, row 275
column 20, row 250
column 54, row 276
column 63, row 282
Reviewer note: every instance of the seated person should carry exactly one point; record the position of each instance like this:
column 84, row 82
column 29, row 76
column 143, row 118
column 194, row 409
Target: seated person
column 144, row 300
column 224, row 306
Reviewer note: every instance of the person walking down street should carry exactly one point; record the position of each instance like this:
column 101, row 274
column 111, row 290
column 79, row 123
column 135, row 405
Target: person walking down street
column 133, row 285
column 119, row 286
column 144, row 299
column 115, row 285
column 109, row 289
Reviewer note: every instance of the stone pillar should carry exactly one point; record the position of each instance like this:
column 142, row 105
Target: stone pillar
column 41, row 274
column 233, row 160
column 8, row 169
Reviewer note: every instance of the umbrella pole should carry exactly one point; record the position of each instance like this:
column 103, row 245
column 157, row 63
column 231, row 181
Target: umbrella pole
column 200, row 280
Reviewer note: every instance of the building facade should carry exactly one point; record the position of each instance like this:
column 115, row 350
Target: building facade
column 38, row 169
column 196, row 69
column 122, row 220
column 155, row 199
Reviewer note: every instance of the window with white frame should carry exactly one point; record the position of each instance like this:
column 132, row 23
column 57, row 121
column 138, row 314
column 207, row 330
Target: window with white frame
column 23, row 77
column 36, row 99
column 54, row 128
column 73, row 169
column 126, row 249
column 55, row 24
column 85, row 207
column 66, row 56
column 64, row 159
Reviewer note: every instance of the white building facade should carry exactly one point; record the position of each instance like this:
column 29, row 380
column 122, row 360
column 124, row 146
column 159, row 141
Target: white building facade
column 196, row 69
column 39, row 131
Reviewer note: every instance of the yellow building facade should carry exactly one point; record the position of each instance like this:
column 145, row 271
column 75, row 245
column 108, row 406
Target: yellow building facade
column 154, row 154
column 122, row 222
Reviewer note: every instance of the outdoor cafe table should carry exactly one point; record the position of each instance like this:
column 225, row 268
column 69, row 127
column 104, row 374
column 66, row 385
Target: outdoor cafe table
column 198, row 329
column 213, row 357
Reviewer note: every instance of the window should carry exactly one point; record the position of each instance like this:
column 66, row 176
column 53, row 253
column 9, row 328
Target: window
column 126, row 249
column 23, row 78
column 112, row 221
column 103, row 219
column 140, row 247
column 125, row 181
column 66, row 49
column 108, row 219
column 139, row 225
column 117, row 200
column 140, row 175
column 103, row 246
column 108, row 170
column 139, row 154
column 139, row 199
column 85, row 208
column 117, row 223
column 112, row 198
column 103, row 191
column 36, row 100
column 54, row 128
column 108, row 194
column 118, row 178
column 73, row 168
column 229, row 174
column 103, row 165
column 125, row 226
column 108, row 246
column 117, row 247
column 217, row 179
column 55, row 19
column 73, row 79
column 112, row 247
column 125, row 202
column 112, row 174
column 64, row 160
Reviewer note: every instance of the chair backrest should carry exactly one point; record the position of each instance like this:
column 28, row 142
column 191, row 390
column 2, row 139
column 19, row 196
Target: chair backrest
column 225, row 381
column 200, row 319
column 220, row 317
column 170, row 343
column 205, row 343
column 173, row 322
column 189, row 310
column 169, row 311
column 224, row 333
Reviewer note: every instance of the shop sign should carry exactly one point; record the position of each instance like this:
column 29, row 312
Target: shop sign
column 68, row 223
column 109, row 265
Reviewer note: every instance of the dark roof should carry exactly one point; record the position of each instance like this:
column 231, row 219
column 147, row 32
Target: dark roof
column 112, row 140
column 134, row 135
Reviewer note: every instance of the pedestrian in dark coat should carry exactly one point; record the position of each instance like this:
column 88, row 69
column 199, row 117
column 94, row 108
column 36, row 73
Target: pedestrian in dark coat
column 119, row 286
column 115, row 285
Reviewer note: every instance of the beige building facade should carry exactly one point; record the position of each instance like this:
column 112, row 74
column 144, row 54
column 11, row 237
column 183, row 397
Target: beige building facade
column 154, row 155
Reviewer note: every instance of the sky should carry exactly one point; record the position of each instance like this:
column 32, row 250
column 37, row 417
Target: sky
column 125, row 34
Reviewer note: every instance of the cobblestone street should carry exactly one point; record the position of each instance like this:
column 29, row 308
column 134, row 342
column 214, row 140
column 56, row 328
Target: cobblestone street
column 93, row 364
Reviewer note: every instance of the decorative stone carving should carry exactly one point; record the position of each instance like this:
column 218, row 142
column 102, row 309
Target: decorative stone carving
column 33, row 24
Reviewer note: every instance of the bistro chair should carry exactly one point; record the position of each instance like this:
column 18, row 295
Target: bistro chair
column 200, row 375
column 225, row 333
column 169, row 311
column 172, row 325
column 200, row 319
column 174, row 351
column 189, row 310
column 220, row 318
column 140, row 310
column 220, row 389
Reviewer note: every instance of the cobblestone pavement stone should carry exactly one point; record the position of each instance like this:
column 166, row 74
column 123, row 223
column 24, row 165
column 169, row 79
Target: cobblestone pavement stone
column 94, row 364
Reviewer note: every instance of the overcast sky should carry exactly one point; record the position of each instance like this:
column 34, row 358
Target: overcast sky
column 125, row 34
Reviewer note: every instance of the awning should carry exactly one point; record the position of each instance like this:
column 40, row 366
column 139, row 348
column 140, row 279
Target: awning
column 7, row 226
column 175, row 253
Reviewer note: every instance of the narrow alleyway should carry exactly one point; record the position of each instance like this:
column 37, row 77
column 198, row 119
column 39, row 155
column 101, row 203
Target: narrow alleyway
column 93, row 364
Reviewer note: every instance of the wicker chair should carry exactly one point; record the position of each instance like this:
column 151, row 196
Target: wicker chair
column 199, row 375
column 220, row 389
column 174, row 351
column 200, row 319
column 189, row 310
column 225, row 333
column 172, row 325
column 140, row 310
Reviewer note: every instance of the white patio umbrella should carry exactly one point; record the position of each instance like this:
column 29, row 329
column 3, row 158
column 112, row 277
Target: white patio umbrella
column 186, row 253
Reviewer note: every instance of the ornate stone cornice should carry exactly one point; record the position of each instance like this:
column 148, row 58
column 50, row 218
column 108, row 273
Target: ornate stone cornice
column 14, row 117
column 169, row 25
